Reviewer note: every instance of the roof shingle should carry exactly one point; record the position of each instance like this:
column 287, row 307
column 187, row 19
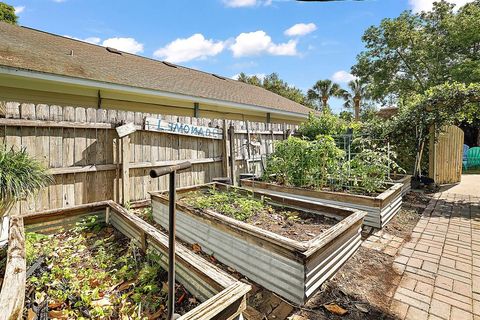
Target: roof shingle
column 30, row 49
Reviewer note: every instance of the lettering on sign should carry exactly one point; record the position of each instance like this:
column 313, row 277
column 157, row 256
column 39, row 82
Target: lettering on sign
column 154, row 124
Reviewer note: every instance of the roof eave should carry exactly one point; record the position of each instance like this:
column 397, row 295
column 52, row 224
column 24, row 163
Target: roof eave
column 100, row 85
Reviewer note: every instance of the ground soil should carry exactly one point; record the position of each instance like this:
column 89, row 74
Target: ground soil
column 293, row 224
column 367, row 281
column 344, row 189
column 303, row 227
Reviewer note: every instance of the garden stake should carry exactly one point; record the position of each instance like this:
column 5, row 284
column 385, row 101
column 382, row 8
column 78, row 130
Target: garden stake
column 172, row 172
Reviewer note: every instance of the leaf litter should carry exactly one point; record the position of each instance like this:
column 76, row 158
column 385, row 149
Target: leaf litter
column 93, row 271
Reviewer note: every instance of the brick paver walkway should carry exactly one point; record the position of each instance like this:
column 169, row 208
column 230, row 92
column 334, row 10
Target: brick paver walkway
column 440, row 265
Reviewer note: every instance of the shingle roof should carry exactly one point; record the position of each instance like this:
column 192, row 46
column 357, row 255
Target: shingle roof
column 30, row 49
column 387, row 112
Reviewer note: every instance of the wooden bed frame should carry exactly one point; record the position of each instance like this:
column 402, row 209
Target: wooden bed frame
column 222, row 296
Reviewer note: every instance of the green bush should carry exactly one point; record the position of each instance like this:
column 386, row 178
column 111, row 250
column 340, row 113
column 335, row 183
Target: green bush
column 325, row 124
column 304, row 163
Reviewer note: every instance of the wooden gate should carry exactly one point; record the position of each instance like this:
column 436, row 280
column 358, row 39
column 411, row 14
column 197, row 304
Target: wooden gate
column 446, row 156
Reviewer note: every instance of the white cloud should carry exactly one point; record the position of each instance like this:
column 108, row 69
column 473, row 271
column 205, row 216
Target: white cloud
column 300, row 29
column 19, row 9
column 343, row 76
column 129, row 45
column 93, row 40
column 246, row 3
column 59, row 1
column 194, row 47
column 259, row 42
column 427, row 5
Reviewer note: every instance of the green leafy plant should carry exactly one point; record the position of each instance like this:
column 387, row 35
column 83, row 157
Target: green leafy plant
column 321, row 164
column 20, row 176
column 230, row 203
column 304, row 163
column 369, row 169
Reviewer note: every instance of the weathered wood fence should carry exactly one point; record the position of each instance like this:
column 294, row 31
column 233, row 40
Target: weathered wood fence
column 88, row 160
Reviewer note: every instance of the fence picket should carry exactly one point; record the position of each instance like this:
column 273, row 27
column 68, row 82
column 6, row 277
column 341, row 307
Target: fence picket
column 86, row 161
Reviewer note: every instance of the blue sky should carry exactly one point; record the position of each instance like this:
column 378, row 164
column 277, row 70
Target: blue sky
column 225, row 36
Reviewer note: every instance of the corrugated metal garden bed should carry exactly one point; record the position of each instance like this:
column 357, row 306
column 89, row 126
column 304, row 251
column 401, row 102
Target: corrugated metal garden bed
column 405, row 180
column 222, row 296
column 380, row 209
column 294, row 269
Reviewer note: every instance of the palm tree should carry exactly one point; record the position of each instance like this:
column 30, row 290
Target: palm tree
column 354, row 96
column 324, row 90
column 20, row 176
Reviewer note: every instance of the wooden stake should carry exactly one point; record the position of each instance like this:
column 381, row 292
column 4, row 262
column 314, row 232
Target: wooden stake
column 12, row 295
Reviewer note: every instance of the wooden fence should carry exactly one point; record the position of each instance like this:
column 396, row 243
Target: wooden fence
column 85, row 155
column 445, row 155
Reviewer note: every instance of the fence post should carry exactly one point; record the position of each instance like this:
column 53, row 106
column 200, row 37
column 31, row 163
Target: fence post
column 124, row 133
column 231, row 137
column 225, row 171
column 126, row 169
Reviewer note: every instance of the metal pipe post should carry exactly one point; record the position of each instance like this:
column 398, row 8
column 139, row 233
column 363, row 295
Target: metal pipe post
column 171, row 244
column 172, row 200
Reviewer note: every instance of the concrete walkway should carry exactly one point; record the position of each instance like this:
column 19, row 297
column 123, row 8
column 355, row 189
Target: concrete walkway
column 470, row 185
column 440, row 265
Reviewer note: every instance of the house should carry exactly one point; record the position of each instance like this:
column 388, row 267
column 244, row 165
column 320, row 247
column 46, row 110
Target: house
column 387, row 112
column 41, row 67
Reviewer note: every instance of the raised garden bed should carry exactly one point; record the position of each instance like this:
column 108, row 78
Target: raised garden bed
column 405, row 180
column 94, row 271
column 286, row 245
column 380, row 208
column 219, row 295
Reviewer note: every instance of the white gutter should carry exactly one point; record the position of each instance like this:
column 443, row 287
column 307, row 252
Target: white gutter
column 136, row 90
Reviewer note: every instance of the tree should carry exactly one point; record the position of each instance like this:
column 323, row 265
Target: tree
column 346, row 115
column 7, row 13
column 442, row 105
column 20, row 176
column 273, row 83
column 323, row 90
column 253, row 80
column 409, row 54
column 354, row 96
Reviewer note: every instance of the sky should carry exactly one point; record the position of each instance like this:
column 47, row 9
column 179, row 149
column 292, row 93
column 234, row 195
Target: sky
column 302, row 41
